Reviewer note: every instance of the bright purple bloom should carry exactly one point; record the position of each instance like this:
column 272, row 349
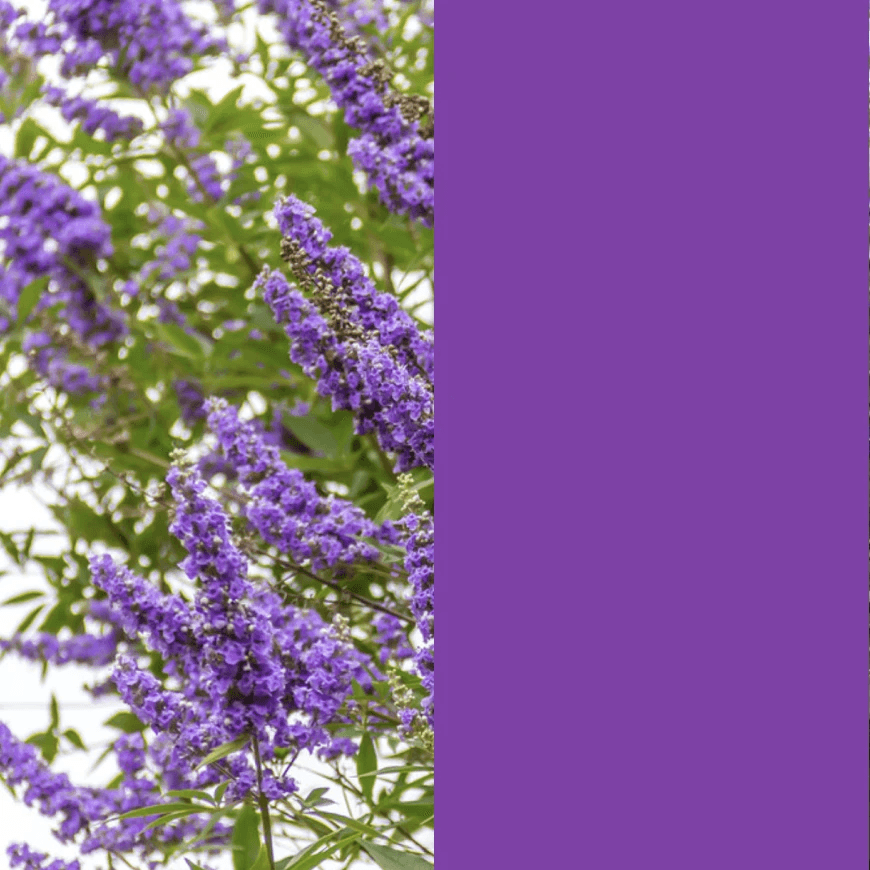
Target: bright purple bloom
column 93, row 115
column 286, row 509
column 396, row 150
column 238, row 662
column 391, row 638
column 21, row 855
column 86, row 649
column 154, row 39
column 360, row 375
column 306, row 247
column 50, row 230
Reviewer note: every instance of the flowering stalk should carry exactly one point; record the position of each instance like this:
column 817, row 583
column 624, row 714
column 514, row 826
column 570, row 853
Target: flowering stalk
column 52, row 232
column 396, row 150
column 365, row 352
column 286, row 509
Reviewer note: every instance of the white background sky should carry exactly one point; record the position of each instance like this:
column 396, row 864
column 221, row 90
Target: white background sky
column 24, row 693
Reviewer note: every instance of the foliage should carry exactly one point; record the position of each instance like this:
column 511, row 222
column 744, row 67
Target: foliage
column 216, row 267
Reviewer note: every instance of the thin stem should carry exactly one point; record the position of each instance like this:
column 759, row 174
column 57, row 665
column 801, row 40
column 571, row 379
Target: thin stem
column 263, row 804
column 332, row 584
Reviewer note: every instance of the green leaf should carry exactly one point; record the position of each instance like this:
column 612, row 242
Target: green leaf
column 262, row 861
column 28, row 298
column 409, row 768
column 174, row 816
column 313, row 433
column 181, row 343
column 47, row 744
column 220, row 791
column 163, row 809
column 366, row 765
column 314, row 129
column 199, row 106
column 73, row 737
column 391, row 859
column 27, row 133
column 246, row 839
column 310, row 856
column 24, row 596
column 223, row 751
column 225, row 111
column 125, row 722
column 29, row 619
column 6, row 539
column 353, row 823
column 315, row 795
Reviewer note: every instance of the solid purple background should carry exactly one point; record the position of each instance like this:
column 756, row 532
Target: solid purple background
column 652, row 430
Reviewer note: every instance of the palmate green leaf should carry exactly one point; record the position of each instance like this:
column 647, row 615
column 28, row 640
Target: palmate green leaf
column 223, row 116
column 392, row 859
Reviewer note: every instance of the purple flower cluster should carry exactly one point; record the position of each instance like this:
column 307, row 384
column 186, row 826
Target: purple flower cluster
column 24, row 857
column 163, row 621
column 364, row 350
column 53, row 793
column 205, row 179
column 391, row 637
column 154, row 40
column 177, row 242
column 49, row 230
column 285, row 508
column 306, row 243
column 181, row 238
column 88, row 649
column 396, row 150
column 190, row 401
column 83, row 811
column 93, row 115
column 243, row 665
column 360, row 375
